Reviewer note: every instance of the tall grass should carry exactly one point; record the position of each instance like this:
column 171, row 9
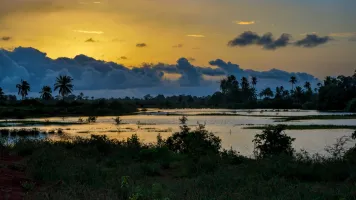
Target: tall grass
column 102, row 168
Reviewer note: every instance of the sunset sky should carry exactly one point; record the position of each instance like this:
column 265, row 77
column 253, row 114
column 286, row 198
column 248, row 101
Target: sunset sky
column 135, row 31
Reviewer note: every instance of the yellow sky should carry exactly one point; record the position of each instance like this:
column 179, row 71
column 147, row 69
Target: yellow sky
column 202, row 28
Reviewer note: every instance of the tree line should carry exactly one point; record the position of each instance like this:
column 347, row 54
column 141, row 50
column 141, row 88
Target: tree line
column 334, row 93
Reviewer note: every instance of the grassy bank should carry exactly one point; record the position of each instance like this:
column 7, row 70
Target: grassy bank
column 305, row 127
column 9, row 123
column 189, row 165
column 320, row 117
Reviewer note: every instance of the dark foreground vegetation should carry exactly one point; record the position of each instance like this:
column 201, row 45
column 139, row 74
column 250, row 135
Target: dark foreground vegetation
column 333, row 94
column 188, row 165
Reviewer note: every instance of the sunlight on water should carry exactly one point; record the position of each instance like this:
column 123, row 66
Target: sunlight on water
column 229, row 128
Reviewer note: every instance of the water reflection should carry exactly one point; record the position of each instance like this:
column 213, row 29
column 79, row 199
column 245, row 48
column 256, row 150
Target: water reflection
column 228, row 128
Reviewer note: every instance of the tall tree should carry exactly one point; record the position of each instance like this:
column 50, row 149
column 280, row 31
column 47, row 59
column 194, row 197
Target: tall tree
column 46, row 93
column 2, row 95
column 64, row 84
column 307, row 85
column 254, row 81
column 23, row 88
column 293, row 80
column 266, row 93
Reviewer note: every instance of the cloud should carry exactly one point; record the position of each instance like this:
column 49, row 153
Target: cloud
column 34, row 66
column 123, row 58
column 244, row 22
column 266, row 41
column 5, row 38
column 196, row 36
column 141, row 45
column 89, row 32
column 90, row 40
column 312, row 40
column 178, row 46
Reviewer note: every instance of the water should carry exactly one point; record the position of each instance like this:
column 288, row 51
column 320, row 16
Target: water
column 229, row 128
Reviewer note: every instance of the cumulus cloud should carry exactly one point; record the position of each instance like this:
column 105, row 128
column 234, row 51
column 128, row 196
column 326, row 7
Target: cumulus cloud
column 266, row 41
column 90, row 40
column 5, row 38
column 312, row 40
column 141, row 45
column 95, row 75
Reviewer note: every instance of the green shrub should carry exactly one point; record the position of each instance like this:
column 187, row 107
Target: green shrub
column 194, row 143
column 273, row 141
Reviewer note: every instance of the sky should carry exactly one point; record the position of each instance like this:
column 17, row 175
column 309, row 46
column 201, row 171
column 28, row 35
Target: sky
column 313, row 36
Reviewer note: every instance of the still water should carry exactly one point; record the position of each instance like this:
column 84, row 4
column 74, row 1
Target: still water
column 229, row 128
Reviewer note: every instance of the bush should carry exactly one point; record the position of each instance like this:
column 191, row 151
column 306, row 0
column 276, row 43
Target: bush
column 273, row 141
column 194, row 143
column 351, row 106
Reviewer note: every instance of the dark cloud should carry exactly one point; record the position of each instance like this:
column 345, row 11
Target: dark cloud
column 123, row 58
column 228, row 67
column 90, row 40
column 190, row 75
column 312, row 40
column 178, row 46
column 266, row 41
column 141, row 45
column 5, row 38
column 91, row 74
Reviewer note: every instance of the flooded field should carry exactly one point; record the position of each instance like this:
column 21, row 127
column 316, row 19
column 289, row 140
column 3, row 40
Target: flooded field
column 229, row 125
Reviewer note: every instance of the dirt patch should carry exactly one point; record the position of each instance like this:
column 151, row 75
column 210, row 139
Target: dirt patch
column 12, row 177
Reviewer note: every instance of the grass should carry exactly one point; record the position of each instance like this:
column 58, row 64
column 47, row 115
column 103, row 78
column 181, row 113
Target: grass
column 320, row 117
column 305, row 127
column 36, row 122
column 34, row 132
column 99, row 168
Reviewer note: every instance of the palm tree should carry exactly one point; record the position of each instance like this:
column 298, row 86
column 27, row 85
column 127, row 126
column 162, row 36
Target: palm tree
column 64, row 84
column 46, row 93
column 23, row 88
column 254, row 81
column 2, row 94
column 293, row 80
column 307, row 86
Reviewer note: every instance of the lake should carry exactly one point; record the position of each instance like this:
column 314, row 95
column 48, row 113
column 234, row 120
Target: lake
column 229, row 128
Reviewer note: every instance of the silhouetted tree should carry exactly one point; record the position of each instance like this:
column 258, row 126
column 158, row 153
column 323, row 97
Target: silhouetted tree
column 46, row 93
column 266, row 93
column 307, row 85
column 64, row 84
column 254, row 81
column 2, row 95
column 23, row 88
column 293, row 80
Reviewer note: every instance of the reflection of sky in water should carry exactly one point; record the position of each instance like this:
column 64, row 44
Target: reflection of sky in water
column 228, row 128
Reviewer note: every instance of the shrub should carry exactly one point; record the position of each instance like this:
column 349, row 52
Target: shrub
column 195, row 143
column 118, row 120
column 273, row 141
column 92, row 119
